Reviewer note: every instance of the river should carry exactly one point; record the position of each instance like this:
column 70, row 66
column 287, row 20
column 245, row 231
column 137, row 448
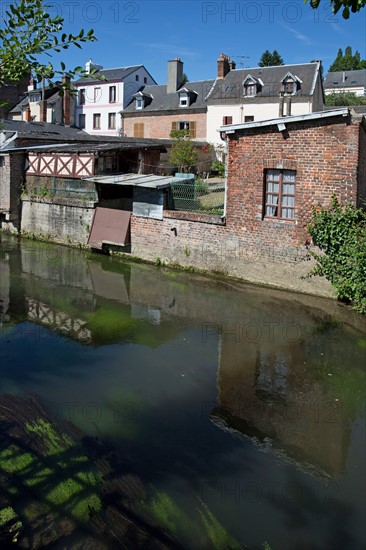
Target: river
column 240, row 409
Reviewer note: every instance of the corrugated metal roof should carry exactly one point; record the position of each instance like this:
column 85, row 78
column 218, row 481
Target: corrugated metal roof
column 150, row 181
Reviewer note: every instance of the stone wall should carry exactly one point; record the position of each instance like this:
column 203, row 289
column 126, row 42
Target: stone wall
column 59, row 220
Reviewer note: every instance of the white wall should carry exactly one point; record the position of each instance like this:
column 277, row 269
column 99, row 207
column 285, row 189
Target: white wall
column 357, row 90
column 264, row 111
column 124, row 93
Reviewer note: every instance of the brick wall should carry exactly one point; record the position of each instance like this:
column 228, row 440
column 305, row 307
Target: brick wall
column 324, row 154
column 159, row 126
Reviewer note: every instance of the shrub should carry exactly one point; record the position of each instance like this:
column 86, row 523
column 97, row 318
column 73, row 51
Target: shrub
column 340, row 233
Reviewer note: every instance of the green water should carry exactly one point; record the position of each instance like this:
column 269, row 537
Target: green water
column 240, row 409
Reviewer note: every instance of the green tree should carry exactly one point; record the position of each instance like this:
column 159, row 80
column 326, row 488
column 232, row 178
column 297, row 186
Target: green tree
column 184, row 79
column 348, row 61
column 28, row 31
column 344, row 99
column 348, row 6
column 183, row 152
column 340, row 234
column 269, row 59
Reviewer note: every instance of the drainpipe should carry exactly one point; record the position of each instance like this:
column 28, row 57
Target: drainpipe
column 226, row 173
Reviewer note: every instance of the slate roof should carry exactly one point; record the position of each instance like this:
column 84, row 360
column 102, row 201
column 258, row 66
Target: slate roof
column 51, row 97
column 162, row 101
column 46, row 131
column 112, row 75
column 353, row 79
column 230, row 88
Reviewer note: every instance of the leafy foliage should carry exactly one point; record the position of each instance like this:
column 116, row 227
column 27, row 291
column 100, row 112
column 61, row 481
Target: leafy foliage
column 340, row 233
column 348, row 6
column 348, row 61
column 27, row 31
column 183, row 152
column 344, row 99
column 269, row 59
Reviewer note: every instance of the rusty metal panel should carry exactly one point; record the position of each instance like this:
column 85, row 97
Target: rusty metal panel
column 110, row 226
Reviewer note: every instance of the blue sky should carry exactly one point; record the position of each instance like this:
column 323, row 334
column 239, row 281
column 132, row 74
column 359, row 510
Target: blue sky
column 151, row 32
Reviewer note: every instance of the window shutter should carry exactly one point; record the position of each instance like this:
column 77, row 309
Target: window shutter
column 192, row 129
column 174, row 126
column 227, row 120
column 138, row 129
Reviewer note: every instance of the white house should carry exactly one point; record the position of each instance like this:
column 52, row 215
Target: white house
column 99, row 102
column 261, row 93
column 346, row 81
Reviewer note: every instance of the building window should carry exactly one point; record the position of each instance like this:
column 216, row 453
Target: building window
column 96, row 121
column 82, row 121
column 139, row 102
column 138, row 130
column 145, row 80
column 280, row 194
column 111, row 121
column 227, row 120
column 249, row 118
column 183, row 100
column 185, row 125
column 97, row 94
column 34, row 98
column 82, row 96
column 289, row 87
column 250, row 89
column 137, row 78
column 112, row 94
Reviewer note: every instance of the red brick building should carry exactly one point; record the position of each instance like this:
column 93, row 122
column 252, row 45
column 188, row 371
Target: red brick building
column 277, row 170
column 156, row 110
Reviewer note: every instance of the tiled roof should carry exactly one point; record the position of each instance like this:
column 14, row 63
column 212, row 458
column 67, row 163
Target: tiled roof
column 345, row 79
column 230, row 88
column 162, row 101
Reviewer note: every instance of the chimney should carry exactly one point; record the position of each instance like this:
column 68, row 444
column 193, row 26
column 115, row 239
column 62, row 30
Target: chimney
column 89, row 65
column 27, row 114
column 66, row 101
column 232, row 65
column 43, row 104
column 175, row 75
column 223, row 65
column 32, row 84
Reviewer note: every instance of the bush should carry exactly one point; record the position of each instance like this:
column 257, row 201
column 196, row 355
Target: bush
column 219, row 167
column 340, row 233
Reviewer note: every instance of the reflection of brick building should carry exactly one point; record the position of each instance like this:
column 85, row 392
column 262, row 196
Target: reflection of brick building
column 267, row 392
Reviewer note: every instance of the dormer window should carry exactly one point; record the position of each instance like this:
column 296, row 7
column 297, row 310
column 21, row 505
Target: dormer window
column 139, row 102
column 183, row 100
column 290, row 84
column 34, row 98
column 251, row 86
column 250, row 90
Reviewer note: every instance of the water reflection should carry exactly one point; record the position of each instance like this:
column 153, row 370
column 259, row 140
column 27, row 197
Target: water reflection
column 214, row 370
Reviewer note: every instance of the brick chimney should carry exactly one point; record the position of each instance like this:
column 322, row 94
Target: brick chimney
column 175, row 75
column 27, row 114
column 66, row 101
column 223, row 65
column 32, row 85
